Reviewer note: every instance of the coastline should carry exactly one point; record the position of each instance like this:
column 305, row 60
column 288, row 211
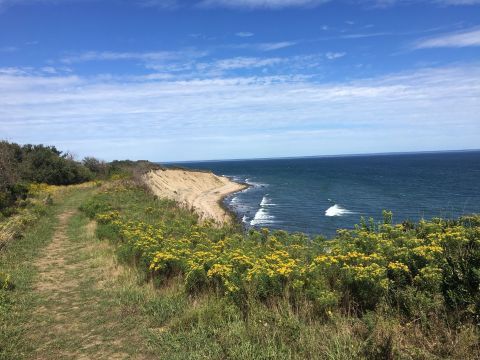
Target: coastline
column 201, row 191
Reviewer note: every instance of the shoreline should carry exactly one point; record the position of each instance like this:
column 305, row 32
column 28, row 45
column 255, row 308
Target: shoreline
column 201, row 191
column 236, row 219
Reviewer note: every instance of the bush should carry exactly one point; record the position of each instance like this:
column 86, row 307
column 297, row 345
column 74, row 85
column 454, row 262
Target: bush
column 23, row 165
column 93, row 207
column 95, row 166
column 413, row 277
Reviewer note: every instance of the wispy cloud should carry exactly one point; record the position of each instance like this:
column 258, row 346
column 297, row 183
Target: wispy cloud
column 262, row 46
column 261, row 4
column 334, row 55
column 246, row 62
column 244, row 34
column 160, row 4
column 216, row 115
column 390, row 3
column 466, row 38
column 275, row 45
column 364, row 35
column 143, row 56
column 250, row 4
column 457, row 2
column 8, row 49
column 192, row 63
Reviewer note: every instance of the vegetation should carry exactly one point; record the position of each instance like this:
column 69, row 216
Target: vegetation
column 27, row 164
column 21, row 166
column 379, row 291
column 405, row 290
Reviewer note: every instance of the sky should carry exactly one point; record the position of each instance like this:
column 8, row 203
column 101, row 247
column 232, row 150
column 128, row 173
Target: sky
column 174, row 80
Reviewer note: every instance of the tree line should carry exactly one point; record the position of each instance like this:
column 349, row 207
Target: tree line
column 21, row 165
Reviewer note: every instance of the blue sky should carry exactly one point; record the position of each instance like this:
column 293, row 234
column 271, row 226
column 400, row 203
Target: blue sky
column 216, row 79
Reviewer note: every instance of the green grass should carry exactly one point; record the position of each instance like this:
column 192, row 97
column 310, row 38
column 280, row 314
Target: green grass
column 17, row 259
column 102, row 303
column 410, row 321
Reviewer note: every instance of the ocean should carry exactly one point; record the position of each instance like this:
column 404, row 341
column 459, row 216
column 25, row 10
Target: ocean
column 318, row 195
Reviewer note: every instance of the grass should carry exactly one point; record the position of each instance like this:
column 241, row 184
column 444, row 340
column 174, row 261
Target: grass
column 266, row 319
column 17, row 259
column 77, row 294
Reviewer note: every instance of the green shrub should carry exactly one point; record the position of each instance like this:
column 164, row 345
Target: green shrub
column 412, row 277
column 92, row 207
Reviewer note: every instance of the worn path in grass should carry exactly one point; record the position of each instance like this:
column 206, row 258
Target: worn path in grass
column 80, row 312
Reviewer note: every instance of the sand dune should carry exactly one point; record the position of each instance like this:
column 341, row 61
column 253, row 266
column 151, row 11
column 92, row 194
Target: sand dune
column 200, row 191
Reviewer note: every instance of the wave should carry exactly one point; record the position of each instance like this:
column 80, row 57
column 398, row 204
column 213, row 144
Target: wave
column 245, row 219
column 236, row 178
column 266, row 201
column 233, row 200
column 255, row 184
column 337, row 210
column 262, row 217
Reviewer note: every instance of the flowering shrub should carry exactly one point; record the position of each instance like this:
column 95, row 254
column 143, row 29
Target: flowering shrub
column 38, row 189
column 360, row 267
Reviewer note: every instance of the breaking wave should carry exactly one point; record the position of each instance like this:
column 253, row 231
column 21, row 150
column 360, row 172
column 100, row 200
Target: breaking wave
column 337, row 210
column 266, row 201
column 262, row 217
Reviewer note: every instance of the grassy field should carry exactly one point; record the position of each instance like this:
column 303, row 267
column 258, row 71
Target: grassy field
column 110, row 272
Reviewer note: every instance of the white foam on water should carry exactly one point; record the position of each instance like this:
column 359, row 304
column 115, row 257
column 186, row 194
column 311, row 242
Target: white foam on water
column 234, row 200
column 337, row 210
column 262, row 217
column 255, row 184
column 245, row 219
column 266, row 201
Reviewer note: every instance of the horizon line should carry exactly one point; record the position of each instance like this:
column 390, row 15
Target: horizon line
column 321, row 156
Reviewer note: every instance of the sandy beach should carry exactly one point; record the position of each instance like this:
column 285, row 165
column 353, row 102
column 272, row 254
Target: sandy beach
column 197, row 190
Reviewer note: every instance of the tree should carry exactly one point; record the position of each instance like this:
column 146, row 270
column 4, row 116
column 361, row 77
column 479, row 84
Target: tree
column 10, row 156
column 98, row 167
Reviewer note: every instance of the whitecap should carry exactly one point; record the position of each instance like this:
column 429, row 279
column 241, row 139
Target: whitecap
column 337, row 210
column 266, row 201
column 255, row 184
column 262, row 217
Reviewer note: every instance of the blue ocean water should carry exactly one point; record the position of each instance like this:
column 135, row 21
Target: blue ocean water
column 321, row 194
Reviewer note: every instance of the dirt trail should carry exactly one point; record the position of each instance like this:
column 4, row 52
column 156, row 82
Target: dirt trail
column 75, row 317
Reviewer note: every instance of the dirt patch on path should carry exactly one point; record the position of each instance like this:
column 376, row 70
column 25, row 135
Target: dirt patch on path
column 75, row 316
column 51, row 266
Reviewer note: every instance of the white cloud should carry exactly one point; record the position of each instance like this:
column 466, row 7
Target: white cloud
column 275, row 45
column 263, row 46
column 160, row 4
column 248, row 4
column 217, row 117
column 244, row 34
column 246, row 62
column 466, row 38
column 261, row 4
column 143, row 56
column 389, row 3
column 190, row 63
column 334, row 55
column 457, row 2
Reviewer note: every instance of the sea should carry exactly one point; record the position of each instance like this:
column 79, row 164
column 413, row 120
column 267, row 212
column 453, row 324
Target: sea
column 318, row 195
